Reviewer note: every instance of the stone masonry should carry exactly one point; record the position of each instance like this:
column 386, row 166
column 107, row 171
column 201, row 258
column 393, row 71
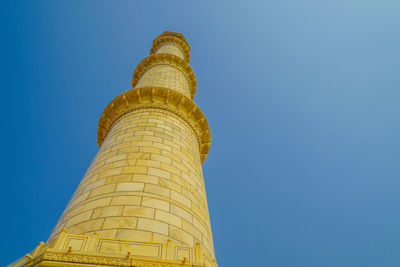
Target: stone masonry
column 142, row 202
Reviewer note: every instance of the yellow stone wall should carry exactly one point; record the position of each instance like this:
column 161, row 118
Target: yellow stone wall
column 145, row 184
column 163, row 75
column 171, row 49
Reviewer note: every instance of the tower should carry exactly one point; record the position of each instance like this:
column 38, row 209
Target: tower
column 142, row 202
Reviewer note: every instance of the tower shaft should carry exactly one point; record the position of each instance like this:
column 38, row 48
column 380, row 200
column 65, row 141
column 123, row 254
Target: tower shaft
column 143, row 200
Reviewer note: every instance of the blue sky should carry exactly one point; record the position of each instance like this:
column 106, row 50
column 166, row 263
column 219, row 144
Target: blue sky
column 302, row 98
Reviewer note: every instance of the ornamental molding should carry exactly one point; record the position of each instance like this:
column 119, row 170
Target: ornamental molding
column 79, row 258
column 157, row 98
column 61, row 252
column 85, row 258
column 168, row 39
column 175, row 34
column 169, row 59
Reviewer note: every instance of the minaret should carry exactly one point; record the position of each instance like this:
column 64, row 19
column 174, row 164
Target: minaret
column 142, row 202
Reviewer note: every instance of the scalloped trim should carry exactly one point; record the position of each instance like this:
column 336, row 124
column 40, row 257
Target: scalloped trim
column 160, row 41
column 157, row 98
column 169, row 59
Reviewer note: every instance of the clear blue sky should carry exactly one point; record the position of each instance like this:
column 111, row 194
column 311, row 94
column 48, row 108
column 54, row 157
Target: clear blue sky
column 302, row 98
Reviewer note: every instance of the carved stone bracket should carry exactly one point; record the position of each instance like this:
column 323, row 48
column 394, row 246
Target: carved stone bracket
column 157, row 98
column 169, row 59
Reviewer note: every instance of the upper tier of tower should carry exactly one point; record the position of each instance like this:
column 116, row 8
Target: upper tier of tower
column 171, row 43
column 164, row 78
column 167, row 66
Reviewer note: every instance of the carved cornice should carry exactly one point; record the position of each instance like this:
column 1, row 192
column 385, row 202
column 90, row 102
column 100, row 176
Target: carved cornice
column 176, row 34
column 80, row 258
column 157, row 98
column 62, row 252
column 162, row 40
column 157, row 43
column 168, row 59
column 85, row 258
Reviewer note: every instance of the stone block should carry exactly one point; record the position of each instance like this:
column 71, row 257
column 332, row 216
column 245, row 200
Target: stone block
column 134, row 169
column 156, row 189
column 130, row 186
column 107, row 212
column 181, row 213
column 180, row 198
column 152, row 226
column 181, row 235
column 168, row 218
column 136, row 235
column 126, row 200
column 102, row 190
column 159, row 173
column 120, row 223
column 139, row 211
column 155, row 203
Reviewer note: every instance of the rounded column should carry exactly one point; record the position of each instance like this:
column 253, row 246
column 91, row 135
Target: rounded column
column 146, row 182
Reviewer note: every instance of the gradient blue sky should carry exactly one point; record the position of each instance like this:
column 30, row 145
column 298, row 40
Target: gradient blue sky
column 302, row 98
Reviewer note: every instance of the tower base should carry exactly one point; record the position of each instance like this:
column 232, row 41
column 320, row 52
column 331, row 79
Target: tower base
column 92, row 250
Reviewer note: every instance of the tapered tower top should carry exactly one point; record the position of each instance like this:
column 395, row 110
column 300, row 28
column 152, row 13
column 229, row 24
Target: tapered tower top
column 165, row 76
column 169, row 49
column 171, row 43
